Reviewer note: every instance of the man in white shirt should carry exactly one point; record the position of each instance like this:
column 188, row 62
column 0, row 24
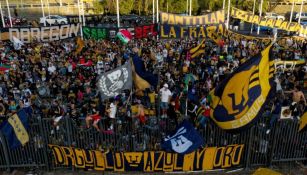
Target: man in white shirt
column 112, row 113
column 51, row 68
column 165, row 99
column 113, row 108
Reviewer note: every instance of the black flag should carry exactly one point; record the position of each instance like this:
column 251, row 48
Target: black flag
column 110, row 84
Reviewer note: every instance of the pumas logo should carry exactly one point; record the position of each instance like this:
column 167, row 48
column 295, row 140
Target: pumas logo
column 237, row 100
column 180, row 144
column 238, row 95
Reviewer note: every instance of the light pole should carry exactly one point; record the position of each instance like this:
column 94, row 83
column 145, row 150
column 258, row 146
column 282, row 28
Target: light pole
column 260, row 14
column 9, row 13
column 253, row 15
column 43, row 11
column 117, row 11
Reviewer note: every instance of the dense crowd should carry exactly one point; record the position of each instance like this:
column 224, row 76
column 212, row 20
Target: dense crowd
column 52, row 80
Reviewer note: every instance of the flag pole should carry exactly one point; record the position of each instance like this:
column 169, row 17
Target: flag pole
column 260, row 14
column 292, row 8
column 291, row 15
column 157, row 11
column 9, row 13
column 43, row 11
column 228, row 15
column 167, row 6
column 83, row 18
column 48, row 10
column 186, row 102
column 153, row 11
column 187, row 7
column 2, row 18
column 190, row 13
column 253, row 15
column 300, row 15
column 80, row 20
column 117, row 11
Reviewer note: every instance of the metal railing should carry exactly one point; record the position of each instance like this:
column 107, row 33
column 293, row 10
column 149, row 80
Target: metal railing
column 283, row 144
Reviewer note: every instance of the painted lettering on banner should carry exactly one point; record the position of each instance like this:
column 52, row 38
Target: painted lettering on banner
column 208, row 19
column 42, row 34
column 149, row 161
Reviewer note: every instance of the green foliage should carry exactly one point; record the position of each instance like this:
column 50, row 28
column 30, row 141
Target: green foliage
column 174, row 6
column 98, row 7
column 247, row 5
column 125, row 6
column 178, row 6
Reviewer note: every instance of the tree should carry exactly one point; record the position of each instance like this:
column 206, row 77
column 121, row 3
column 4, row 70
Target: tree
column 247, row 5
column 125, row 6
column 177, row 6
column 98, row 7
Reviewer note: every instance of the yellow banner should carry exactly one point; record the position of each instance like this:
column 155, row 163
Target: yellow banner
column 273, row 23
column 149, row 161
column 211, row 18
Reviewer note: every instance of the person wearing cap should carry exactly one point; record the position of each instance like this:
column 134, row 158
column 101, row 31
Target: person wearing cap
column 165, row 99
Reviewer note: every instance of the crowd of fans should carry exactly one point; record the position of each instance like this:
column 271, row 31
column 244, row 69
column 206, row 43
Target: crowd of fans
column 52, row 80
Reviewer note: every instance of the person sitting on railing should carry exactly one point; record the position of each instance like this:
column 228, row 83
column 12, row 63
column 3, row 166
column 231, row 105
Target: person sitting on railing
column 298, row 98
column 57, row 114
column 93, row 117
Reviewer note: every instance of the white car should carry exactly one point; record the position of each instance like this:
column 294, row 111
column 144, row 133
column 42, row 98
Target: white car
column 274, row 16
column 53, row 19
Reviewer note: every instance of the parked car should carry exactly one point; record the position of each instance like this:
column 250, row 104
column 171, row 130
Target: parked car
column 124, row 18
column 262, row 28
column 303, row 16
column 288, row 14
column 274, row 16
column 304, row 22
column 53, row 19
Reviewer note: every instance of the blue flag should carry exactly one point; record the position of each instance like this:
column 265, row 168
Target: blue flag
column 184, row 140
column 15, row 129
column 238, row 101
column 140, row 70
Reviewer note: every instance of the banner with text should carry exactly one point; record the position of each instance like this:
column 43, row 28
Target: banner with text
column 211, row 18
column 41, row 34
column 217, row 33
column 177, row 31
column 137, row 32
column 149, row 161
column 268, row 22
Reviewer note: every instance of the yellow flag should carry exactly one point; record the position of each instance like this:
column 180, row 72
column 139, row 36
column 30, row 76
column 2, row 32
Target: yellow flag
column 238, row 100
column 266, row 171
column 80, row 45
column 199, row 49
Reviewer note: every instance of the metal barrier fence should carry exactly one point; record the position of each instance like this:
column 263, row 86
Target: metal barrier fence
column 283, row 144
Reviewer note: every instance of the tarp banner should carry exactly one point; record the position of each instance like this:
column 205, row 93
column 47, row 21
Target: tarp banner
column 99, row 33
column 149, row 161
column 268, row 22
column 211, row 18
column 41, row 34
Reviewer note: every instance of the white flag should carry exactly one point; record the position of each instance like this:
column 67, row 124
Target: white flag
column 17, row 43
